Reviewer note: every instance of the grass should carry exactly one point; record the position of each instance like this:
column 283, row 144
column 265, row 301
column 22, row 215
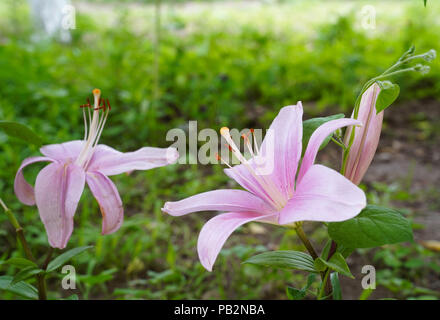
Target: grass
column 217, row 66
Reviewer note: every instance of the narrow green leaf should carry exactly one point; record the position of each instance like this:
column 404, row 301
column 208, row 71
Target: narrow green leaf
column 326, row 250
column 336, row 263
column 20, row 131
column 21, row 263
column 365, row 294
column 373, row 227
column 299, row 294
column 284, row 259
column 334, row 280
column 21, row 288
column 66, row 256
column 387, row 95
column 424, row 1
column 295, row 294
column 310, row 125
column 344, row 250
column 26, row 274
column 310, row 279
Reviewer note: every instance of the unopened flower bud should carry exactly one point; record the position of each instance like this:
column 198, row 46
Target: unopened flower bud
column 430, row 55
column 366, row 137
column 423, row 69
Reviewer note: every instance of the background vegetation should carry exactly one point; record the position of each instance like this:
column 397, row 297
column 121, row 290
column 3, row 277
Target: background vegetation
column 221, row 63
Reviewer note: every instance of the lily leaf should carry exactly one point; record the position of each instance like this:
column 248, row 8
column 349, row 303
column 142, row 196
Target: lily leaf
column 336, row 263
column 20, row 131
column 387, row 95
column 310, row 125
column 284, row 259
column 373, row 227
column 26, row 274
column 334, row 280
column 295, row 294
column 21, row 288
column 299, row 294
column 66, row 256
column 21, row 263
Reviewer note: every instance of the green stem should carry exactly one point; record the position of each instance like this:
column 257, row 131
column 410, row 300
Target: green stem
column 305, row 241
column 324, row 286
column 300, row 232
column 41, row 283
column 48, row 258
column 342, row 145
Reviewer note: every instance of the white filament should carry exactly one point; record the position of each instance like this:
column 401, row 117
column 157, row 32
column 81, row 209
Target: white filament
column 93, row 130
column 272, row 193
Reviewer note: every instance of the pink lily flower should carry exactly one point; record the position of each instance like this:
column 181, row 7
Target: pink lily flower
column 59, row 185
column 366, row 138
column 285, row 195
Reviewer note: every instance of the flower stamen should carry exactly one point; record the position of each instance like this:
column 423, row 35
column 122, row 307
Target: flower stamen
column 270, row 190
column 93, row 127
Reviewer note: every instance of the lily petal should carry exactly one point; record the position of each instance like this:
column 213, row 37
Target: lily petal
column 63, row 151
column 323, row 195
column 23, row 190
column 109, row 161
column 216, row 231
column 110, row 203
column 244, row 178
column 58, row 189
column 285, row 137
column 218, row 200
column 316, row 140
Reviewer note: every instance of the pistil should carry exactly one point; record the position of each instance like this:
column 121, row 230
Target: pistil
column 94, row 123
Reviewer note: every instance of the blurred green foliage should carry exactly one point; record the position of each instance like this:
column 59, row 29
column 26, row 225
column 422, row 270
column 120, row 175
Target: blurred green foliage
column 219, row 70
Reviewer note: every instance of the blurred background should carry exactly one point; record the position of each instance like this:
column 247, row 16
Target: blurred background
column 234, row 63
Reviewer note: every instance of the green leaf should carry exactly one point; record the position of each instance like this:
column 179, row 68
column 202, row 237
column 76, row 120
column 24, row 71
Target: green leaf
column 21, row 288
column 295, row 294
column 72, row 297
column 326, row 249
column 365, row 294
column 299, row 294
column 373, row 227
column 336, row 263
column 66, row 256
column 310, row 279
column 21, row 263
column 20, row 131
column 424, row 1
column 26, row 273
column 387, row 95
column 344, row 250
column 334, row 280
column 284, row 259
column 309, row 126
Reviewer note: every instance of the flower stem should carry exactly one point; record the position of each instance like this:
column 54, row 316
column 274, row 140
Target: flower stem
column 48, row 258
column 324, row 275
column 41, row 283
column 300, row 232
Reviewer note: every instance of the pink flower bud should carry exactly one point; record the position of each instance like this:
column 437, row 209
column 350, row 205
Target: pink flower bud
column 366, row 137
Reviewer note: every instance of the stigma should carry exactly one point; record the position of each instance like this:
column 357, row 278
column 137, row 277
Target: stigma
column 95, row 116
